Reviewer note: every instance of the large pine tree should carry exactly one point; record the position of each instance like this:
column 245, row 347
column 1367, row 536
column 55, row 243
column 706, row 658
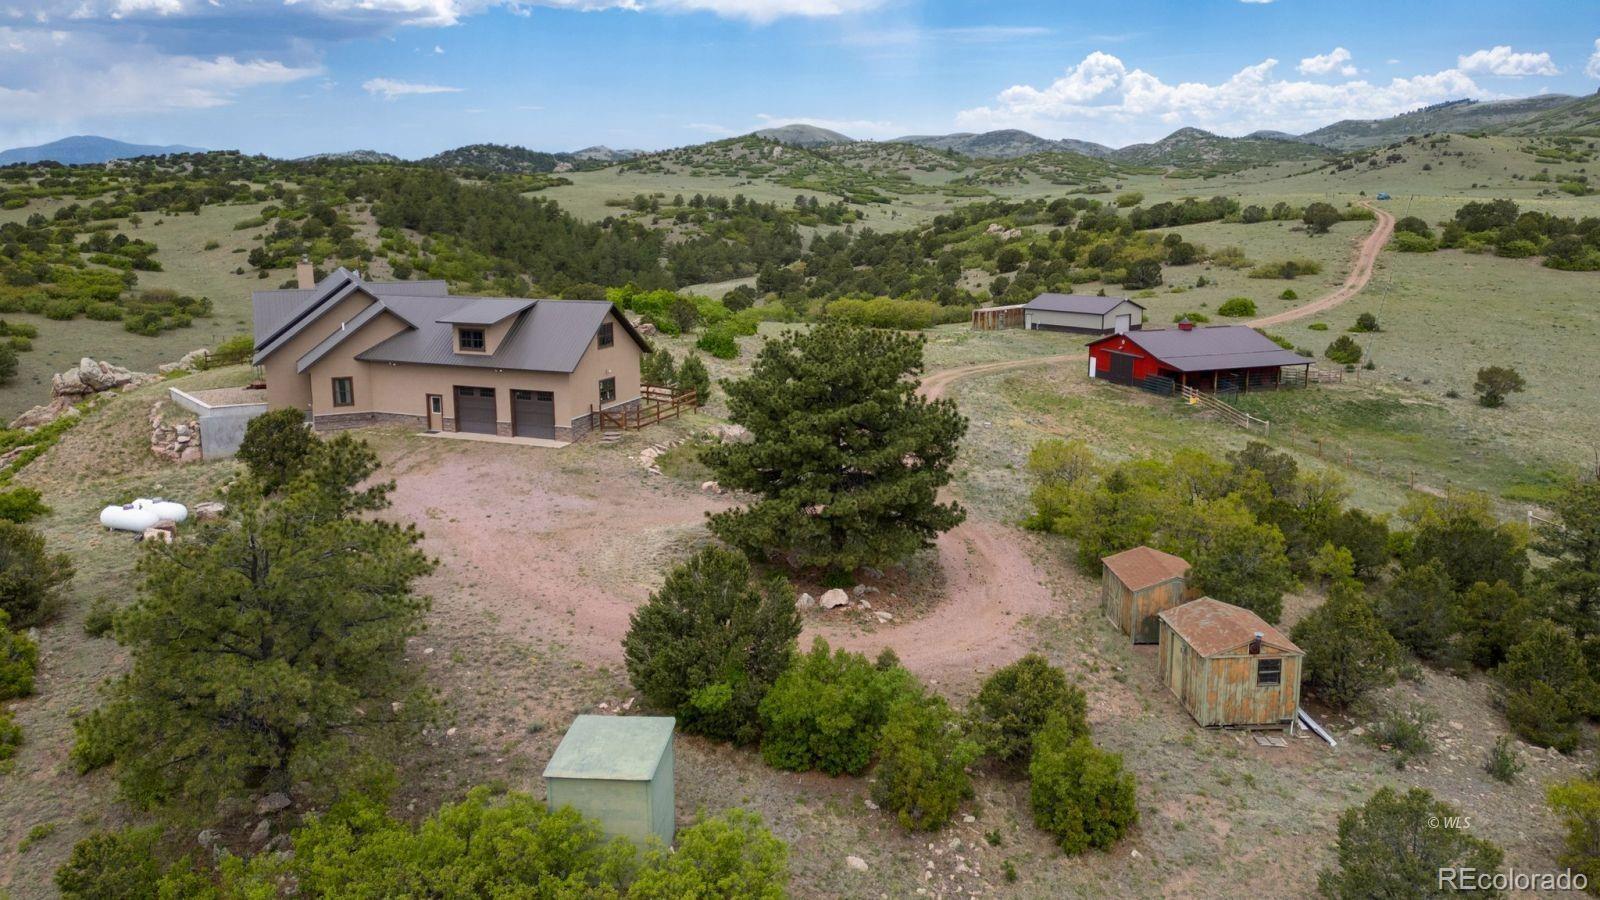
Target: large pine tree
column 846, row 459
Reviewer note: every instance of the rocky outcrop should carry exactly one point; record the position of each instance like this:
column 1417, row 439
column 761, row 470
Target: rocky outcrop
column 83, row 380
column 175, row 441
column 189, row 361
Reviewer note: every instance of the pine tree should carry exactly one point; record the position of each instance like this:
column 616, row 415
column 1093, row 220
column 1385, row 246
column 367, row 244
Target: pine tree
column 1548, row 688
column 1416, row 609
column 1348, row 652
column 267, row 645
column 1393, row 846
column 1572, row 544
column 846, row 459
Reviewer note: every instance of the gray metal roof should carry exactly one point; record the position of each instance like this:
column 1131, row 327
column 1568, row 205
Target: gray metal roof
column 271, row 310
column 1077, row 303
column 484, row 311
column 613, row 748
column 551, row 336
column 1214, row 347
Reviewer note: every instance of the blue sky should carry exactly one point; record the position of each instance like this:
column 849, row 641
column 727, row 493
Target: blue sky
column 412, row 77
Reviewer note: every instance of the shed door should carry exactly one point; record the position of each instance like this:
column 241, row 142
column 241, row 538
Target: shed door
column 1121, row 368
column 475, row 410
column 533, row 413
column 1124, row 323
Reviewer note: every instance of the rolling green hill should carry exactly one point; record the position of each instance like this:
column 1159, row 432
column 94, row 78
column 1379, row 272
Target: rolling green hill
column 1457, row 116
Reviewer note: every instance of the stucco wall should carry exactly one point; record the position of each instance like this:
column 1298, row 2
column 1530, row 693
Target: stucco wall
column 286, row 387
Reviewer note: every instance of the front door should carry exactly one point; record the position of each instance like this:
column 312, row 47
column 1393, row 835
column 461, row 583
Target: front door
column 533, row 414
column 435, row 412
column 475, row 410
column 1121, row 368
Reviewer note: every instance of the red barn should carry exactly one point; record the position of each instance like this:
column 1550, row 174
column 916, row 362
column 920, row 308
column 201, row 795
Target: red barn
column 1220, row 357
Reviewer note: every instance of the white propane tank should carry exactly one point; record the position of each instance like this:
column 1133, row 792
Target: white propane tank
column 165, row 509
column 129, row 518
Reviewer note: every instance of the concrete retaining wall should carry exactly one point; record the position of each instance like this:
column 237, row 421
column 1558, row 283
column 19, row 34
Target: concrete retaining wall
column 221, row 427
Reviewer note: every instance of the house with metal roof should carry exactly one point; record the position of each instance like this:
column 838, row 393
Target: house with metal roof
column 349, row 352
column 1214, row 358
column 1228, row 667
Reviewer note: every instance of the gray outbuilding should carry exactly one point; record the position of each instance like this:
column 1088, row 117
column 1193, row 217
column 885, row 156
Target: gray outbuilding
column 1082, row 314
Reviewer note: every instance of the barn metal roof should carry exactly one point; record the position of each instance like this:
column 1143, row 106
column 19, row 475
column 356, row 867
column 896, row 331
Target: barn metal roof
column 612, row 748
column 1214, row 628
column 1077, row 303
column 1213, row 347
column 1143, row 567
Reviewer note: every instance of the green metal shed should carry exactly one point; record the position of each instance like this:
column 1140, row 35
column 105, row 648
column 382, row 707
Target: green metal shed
column 617, row 770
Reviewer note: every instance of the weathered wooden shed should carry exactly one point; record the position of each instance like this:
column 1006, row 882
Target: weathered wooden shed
column 1228, row 667
column 1136, row 585
column 617, row 770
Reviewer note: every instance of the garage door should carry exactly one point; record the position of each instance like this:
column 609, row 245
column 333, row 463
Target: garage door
column 475, row 409
column 534, row 413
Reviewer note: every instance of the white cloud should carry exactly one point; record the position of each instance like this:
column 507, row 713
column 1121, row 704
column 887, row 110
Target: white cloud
column 1103, row 99
column 1335, row 60
column 1502, row 60
column 438, row 49
column 391, row 89
column 58, row 77
column 856, row 128
column 1593, row 68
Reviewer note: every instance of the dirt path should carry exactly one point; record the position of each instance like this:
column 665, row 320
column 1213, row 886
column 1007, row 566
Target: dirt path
column 1360, row 274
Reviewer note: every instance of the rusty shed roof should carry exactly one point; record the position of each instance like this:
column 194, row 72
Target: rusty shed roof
column 1144, row 567
column 1214, row 628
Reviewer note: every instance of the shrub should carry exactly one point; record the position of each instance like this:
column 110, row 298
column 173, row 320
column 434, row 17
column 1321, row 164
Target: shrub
column 276, row 446
column 922, row 763
column 113, row 864
column 10, row 740
column 1502, row 763
column 1416, row 609
column 1288, row 294
column 692, row 376
column 1405, row 242
column 1198, row 318
column 1015, row 703
column 21, row 505
column 1348, row 652
column 1237, row 307
column 826, row 712
column 101, row 618
column 100, row 311
column 709, row 644
column 729, row 856
column 8, row 362
column 1510, row 250
column 1392, row 846
column 1413, row 225
column 1344, row 349
column 30, row 577
column 1078, row 792
column 62, row 310
column 19, row 657
column 1577, row 803
column 231, row 352
column 1287, row 269
column 658, row 367
column 1365, row 323
column 1547, row 687
column 1403, row 730
column 1129, row 198
column 718, row 342
column 1318, row 326
column 1495, row 382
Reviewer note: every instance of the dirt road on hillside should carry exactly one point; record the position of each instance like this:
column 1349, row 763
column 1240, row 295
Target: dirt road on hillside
column 1360, row 274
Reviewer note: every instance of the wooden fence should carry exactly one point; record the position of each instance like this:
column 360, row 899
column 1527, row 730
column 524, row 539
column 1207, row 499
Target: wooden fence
column 1230, row 413
column 656, row 402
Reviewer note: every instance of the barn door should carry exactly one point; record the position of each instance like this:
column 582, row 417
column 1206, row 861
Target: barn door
column 1121, row 368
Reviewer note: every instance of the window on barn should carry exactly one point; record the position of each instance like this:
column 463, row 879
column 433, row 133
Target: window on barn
column 607, row 336
column 608, row 390
column 1269, row 672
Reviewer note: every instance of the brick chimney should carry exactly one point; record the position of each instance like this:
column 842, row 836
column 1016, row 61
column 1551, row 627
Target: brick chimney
column 1185, row 325
column 305, row 274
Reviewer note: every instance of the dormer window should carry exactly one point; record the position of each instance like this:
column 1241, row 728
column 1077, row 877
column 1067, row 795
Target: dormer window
column 470, row 340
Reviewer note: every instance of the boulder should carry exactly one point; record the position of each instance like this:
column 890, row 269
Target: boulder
column 190, row 454
column 711, row 487
column 208, row 838
column 44, row 414
column 271, row 803
column 209, row 510
column 834, row 599
column 645, row 329
column 856, row 863
column 90, row 377
column 262, row 831
column 805, row 601
column 189, row 360
column 157, row 533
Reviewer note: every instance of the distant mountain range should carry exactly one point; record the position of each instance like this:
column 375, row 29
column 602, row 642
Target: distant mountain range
column 803, row 135
column 85, row 148
column 1005, row 144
